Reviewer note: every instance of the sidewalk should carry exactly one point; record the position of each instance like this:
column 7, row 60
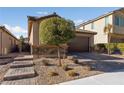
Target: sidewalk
column 112, row 78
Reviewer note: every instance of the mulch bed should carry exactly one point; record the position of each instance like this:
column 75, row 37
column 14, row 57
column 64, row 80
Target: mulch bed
column 44, row 77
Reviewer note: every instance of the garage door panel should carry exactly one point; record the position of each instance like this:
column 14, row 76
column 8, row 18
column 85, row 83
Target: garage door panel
column 79, row 44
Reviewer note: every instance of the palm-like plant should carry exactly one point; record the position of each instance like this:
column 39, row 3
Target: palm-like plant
column 107, row 30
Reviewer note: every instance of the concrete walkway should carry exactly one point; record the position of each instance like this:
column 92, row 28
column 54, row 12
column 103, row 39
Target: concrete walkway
column 113, row 78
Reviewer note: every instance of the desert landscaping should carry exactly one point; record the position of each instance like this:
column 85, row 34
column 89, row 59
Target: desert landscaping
column 44, row 71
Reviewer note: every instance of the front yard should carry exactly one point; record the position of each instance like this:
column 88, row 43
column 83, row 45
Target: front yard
column 48, row 71
column 53, row 74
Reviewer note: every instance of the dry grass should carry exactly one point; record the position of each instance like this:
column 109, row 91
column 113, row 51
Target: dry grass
column 72, row 73
column 53, row 74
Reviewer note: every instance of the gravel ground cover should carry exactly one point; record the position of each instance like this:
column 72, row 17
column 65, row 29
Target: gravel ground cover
column 76, row 71
column 3, row 70
column 4, row 66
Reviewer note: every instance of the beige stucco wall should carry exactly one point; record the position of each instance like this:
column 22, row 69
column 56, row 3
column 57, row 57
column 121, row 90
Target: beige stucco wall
column 99, row 25
column 118, row 29
column 6, row 42
column 31, row 37
column 34, row 35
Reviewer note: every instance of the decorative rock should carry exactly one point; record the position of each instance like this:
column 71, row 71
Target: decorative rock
column 71, row 57
column 76, row 61
column 88, row 68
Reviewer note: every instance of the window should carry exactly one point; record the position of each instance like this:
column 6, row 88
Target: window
column 119, row 21
column 92, row 26
column 106, row 20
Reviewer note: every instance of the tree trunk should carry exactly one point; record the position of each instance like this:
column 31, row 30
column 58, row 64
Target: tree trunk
column 38, row 52
column 109, row 44
column 64, row 55
column 59, row 56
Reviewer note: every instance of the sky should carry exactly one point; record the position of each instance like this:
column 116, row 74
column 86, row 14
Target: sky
column 15, row 19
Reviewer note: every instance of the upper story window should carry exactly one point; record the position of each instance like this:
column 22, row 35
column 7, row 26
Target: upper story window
column 92, row 25
column 106, row 20
column 119, row 21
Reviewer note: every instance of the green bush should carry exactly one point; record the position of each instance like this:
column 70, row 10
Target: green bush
column 101, row 48
column 113, row 47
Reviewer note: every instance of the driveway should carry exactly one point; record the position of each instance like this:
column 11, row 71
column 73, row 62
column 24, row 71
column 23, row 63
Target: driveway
column 102, row 62
column 113, row 68
column 112, row 78
column 96, row 57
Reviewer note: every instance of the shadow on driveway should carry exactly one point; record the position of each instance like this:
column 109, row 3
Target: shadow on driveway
column 100, row 62
column 95, row 56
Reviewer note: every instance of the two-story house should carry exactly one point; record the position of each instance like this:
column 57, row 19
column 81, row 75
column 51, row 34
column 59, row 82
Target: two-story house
column 114, row 18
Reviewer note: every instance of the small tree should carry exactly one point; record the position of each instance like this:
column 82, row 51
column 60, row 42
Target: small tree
column 56, row 31
column 21, row 43
column 107, row 30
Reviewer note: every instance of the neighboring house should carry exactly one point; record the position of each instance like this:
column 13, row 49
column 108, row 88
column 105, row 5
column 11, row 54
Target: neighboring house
column 82, row 42
column 7, row 41
column 114, row 18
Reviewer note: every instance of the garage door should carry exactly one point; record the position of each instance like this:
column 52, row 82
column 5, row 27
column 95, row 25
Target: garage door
column 79, row 44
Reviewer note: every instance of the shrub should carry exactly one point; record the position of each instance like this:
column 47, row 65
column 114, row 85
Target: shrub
column 46, row 62
column 72, row 73
column 53, row 74
column 100, row 48
column 66, row 68
column 114, row 48
column 76, row 61
column 92, row 68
